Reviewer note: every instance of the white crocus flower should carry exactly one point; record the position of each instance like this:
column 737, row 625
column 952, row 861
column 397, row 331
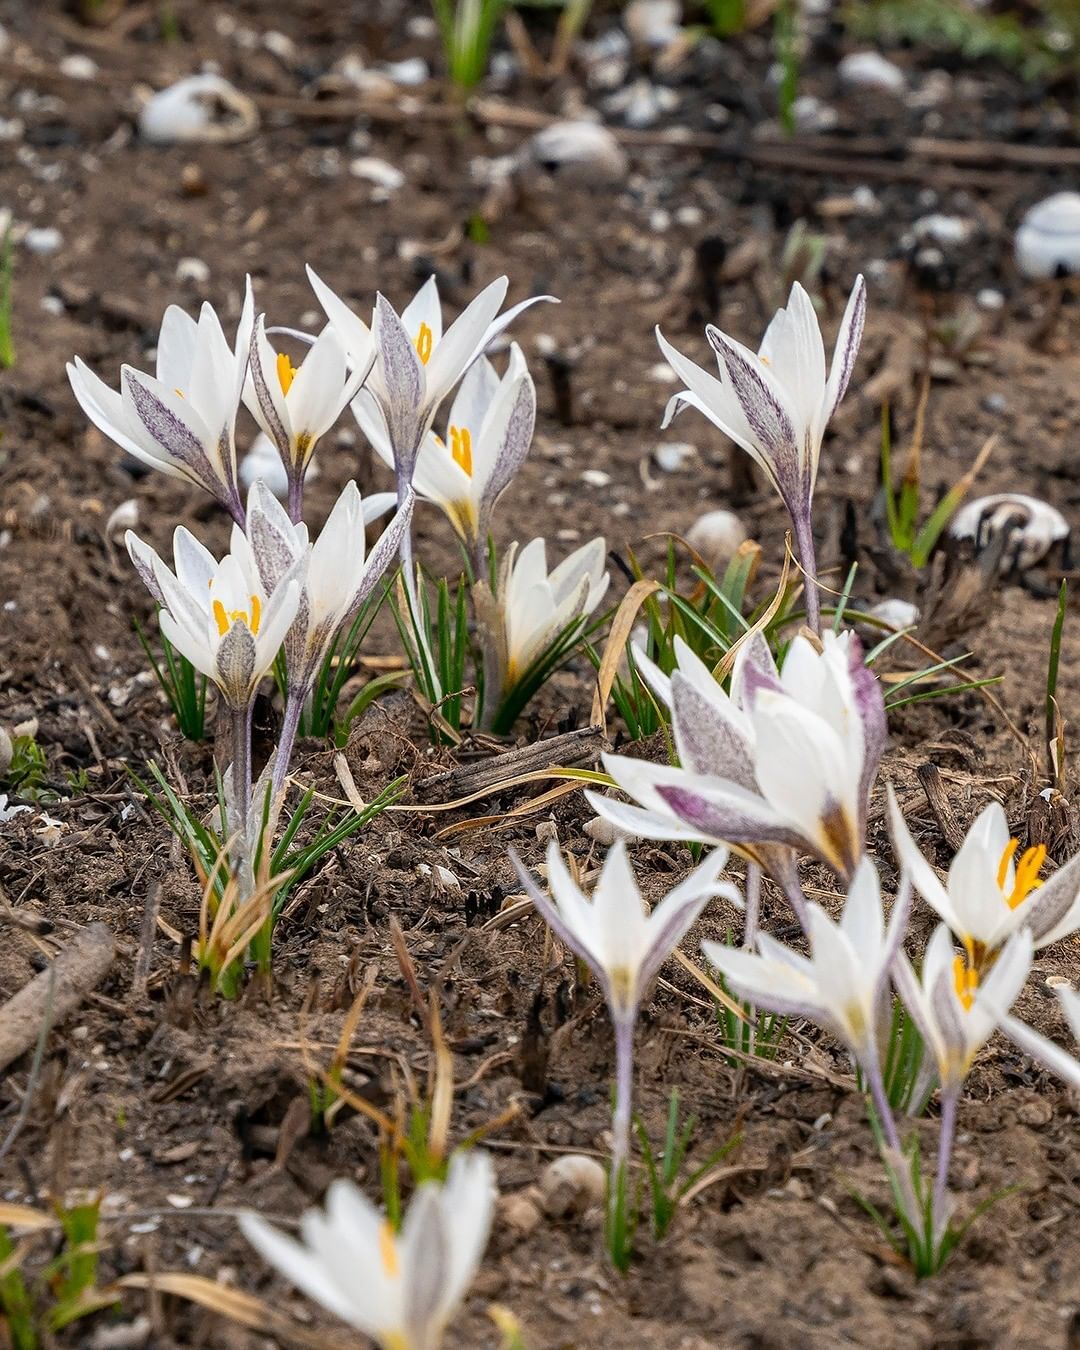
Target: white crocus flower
column 488, row 435
column 336, row 578
column 296, row 406
column 533, row 620
column 775, row 403
column 218, row 614
column 401, row 1289
column 416, row 361
column 843, row 985
column 181, row 421
column 538, row 605
column 621, row 943
column 957, row 1007
column 990, row 894
column 786, row 761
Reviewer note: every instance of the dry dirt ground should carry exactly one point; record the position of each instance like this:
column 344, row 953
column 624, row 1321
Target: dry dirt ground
column 181, row 1108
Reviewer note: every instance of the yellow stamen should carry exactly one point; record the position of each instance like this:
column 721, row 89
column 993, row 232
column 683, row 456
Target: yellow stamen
column 1027, row 872
column 179, row 393
column 425, row 340
column 286, row 372
column 966, row 981
column 388, row 1251
column 226, row 618
column 461, row 448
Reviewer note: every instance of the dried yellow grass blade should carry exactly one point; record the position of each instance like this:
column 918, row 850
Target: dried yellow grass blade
column 246, row 1309
column 22, row 1216
column 711, row 985
column 621, row 627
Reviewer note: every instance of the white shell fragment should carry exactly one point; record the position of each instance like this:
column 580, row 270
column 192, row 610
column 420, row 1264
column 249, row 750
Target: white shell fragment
column 44, row 239
column 945, row 231
column 377, row 172
column 896, row 614
column 576, row 152
column 409, row 74
column 1034, row 527
column 717, row 536
column 673, row 456
column 604, row 833
column 193, row 270
column 653, row 23
column 642, row 103
column 125, row 517
column 78, row 66
column 870, row 70
column 571, row 1185
column 199, row 108
column 1048, row 240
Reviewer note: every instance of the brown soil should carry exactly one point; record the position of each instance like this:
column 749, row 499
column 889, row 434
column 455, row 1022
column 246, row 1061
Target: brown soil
column 177, row 1106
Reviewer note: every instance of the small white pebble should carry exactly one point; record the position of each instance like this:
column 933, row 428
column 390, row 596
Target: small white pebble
column 717, row 536
column 596, row 478
column 44, row 239
column 193, row 270
column 78, row 66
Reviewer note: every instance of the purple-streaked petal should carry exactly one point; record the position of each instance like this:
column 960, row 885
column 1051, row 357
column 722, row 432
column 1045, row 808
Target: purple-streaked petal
column 707, row 741
column 847, row 347
column 764, row 407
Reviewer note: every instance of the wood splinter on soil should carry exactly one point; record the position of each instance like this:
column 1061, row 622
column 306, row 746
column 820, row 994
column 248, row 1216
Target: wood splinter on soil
column 55, row 994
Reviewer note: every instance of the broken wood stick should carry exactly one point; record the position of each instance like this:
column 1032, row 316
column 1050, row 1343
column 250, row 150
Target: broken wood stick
column 568, row 750
column 75, row 972
column 934, row 787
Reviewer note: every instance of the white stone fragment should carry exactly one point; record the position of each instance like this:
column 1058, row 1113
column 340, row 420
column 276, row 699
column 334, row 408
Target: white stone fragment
column 1034, row 526
column 571, row 1185
column 193, row 270
column 581, row 152
column 378, row 172
column 78, row 66
column 1048, row 240
column 871, row 70
column 43, row 239
column 717, row 536
column 200, row 108
column 125, row 517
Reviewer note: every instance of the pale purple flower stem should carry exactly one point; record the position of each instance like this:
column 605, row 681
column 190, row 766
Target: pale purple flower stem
column 946, row 1140
column 750, row 930
column 403, row 481
column 296, row 498
column 294, row 707
column 753, row 904
column 624, row 1096
column 871, row 1067
column 804, row 542
column 240, row 718
column 787, row 878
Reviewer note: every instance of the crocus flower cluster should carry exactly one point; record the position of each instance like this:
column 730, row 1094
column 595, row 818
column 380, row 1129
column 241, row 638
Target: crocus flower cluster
column 773, row 759
column 276, row 591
